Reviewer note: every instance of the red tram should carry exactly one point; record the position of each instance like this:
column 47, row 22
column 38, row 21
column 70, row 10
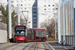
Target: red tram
column 24, row 34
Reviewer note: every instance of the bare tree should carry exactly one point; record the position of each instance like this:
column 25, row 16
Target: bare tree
column 49, row 25
column 25, row 19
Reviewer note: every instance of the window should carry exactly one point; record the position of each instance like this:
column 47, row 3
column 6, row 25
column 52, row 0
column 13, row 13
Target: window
column 20, row 31
column 34, row 11
column 34, row 20
column 21, row 5
column 53, row 8
column 56, row 8
column 44, row 9
column 25, row 8
column 34, row 8
column 49, row 5
column 52, row 5
column 44, row 5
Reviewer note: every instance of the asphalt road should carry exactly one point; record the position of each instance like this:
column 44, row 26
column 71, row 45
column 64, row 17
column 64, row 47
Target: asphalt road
column 25, row 46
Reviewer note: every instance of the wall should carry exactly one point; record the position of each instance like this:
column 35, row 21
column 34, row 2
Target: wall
column 3, row 33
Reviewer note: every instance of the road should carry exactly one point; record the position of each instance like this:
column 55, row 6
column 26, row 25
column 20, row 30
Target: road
column 25, row 46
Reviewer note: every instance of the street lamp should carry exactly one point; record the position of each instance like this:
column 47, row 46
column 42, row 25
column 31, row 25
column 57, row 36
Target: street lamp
column 63, row 25
column 55, row 26
column 74, row 24
column 10, row 28
column 59, row 24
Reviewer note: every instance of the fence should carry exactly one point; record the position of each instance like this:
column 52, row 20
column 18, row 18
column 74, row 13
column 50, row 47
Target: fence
column 69, row 40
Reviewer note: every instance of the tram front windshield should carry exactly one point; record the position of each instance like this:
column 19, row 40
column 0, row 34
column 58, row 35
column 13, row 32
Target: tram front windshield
column 20, row 31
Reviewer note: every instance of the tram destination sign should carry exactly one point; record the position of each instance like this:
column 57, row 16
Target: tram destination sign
column 19, row 28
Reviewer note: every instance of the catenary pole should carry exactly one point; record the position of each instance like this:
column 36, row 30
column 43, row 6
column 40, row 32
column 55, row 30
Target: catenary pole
column 10, row 27
column 63, row 25
column 55, row 28
column 19, row 13
column 59, row 24
column 69, row 17
column 66, row 23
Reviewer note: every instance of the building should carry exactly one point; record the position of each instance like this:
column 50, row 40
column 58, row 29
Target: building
column 36, row 10
column 35, row 14
column 25, row 9
column 45, row 9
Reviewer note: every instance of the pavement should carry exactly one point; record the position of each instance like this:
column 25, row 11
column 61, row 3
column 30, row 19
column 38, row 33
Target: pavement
column 25, row 46
column 56, row 46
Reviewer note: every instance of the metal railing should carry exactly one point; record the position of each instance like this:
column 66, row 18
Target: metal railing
column 69, row 40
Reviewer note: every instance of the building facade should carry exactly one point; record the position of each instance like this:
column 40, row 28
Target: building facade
column 25, row 9
column 46, row 9
column 35, row 14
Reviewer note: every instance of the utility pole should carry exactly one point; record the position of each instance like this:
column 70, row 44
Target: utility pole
column 59, row 24
column 69, row 17
column 66, row 23
column 63, row 25
column 10, row 27
column 19, row 13
column 74, row 24
column 55, row 26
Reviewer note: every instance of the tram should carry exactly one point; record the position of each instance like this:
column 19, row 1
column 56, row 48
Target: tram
column 24, row 34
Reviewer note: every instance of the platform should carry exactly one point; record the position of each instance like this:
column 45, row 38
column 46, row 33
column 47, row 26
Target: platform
column 56, row 46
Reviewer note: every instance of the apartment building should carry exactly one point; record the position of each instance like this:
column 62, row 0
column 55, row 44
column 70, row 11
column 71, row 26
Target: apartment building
column 44, row 9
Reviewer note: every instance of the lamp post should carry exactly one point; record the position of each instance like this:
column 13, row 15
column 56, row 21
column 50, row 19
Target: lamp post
column 59, row 24
column 19, row 13
column 74, row 24
column 63, row 25
column 10, row 28
column 55, row 26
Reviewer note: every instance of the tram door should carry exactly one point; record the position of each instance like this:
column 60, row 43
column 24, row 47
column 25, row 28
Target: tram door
column 32, row 34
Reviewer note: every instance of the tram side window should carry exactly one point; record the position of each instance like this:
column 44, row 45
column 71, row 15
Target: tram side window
column 37, row 34
column 27, row 34
column 32, row 34
column 40, row 34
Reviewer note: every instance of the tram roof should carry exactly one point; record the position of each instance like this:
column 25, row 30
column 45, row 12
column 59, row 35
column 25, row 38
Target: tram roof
column 36, row 29
column 20, row 26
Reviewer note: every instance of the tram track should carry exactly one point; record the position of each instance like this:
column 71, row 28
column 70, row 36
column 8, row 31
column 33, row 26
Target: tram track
column 3, row 44
column 26, row 47
column 8, row 46
column 16, row 46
